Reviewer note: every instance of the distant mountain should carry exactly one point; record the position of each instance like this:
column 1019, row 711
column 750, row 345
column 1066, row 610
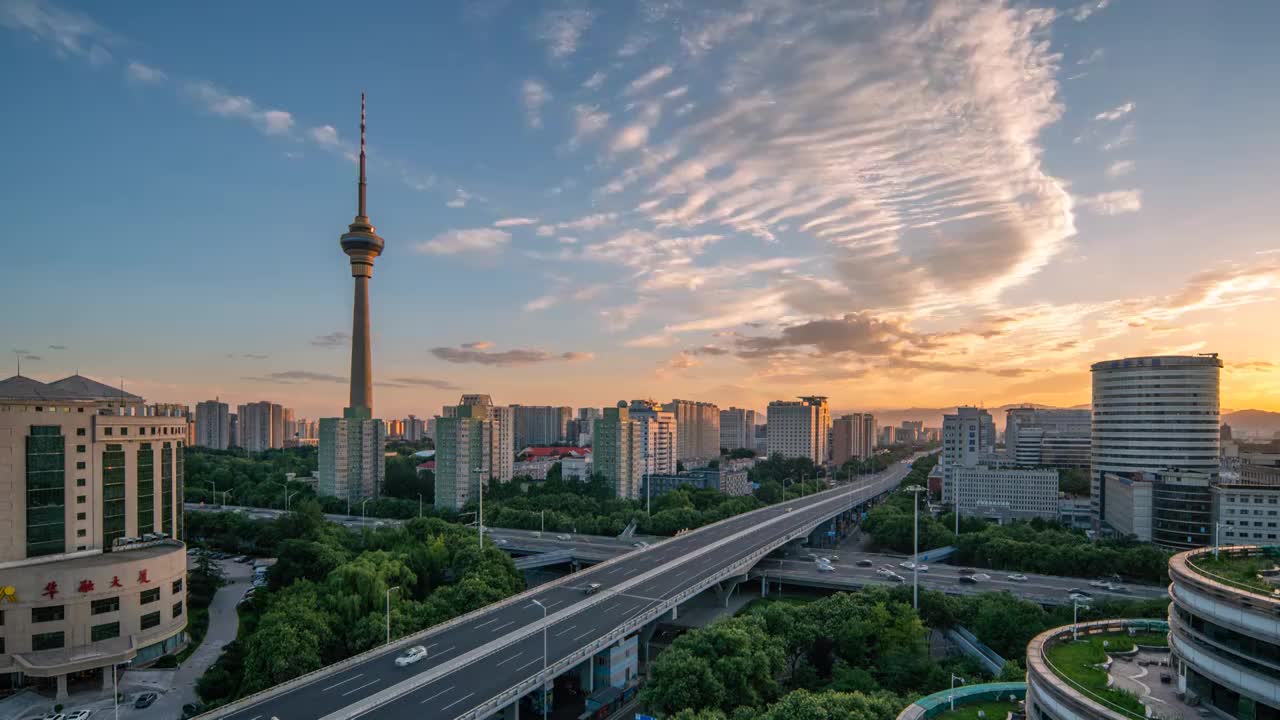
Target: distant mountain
column 1256, row 423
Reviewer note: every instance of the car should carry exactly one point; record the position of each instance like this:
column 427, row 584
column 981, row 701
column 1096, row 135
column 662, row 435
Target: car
column 239, row 558
column 591, row 588
column 79, row 714
column 1098, row 583
column 967, row 571
column 52, row 716
column 790, row 509
column 1117, row 588
column 825, row 567
column 411, row 656
column 562, row 536
column 502, row 541
column 638, row 545
column 919, row 567
column 896, row 577
column 1079, row 597
column 980, row 577
column 1078, row 591
column 1018, row 577
column 145, row 700
column 835, row 558
column 968, row 580
column 863, row 563
column 812, row 556
column 1166, row 678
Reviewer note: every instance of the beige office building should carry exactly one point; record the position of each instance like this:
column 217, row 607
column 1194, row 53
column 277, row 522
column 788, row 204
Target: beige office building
column 800, row 428
column 697, row 429
column 91, row 571
column 853, row 437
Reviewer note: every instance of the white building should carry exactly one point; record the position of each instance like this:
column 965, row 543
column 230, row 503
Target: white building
column 968, row 440
column 1047, row 437
column 697, row 429
column 1130, row 509
column 213, row 425
column 1151, row 414
column 540, row 425
column 415, row 428
column 658, row 432
column 463, row 444
column 261, row 426
column 575, row 468
column 1007, row 493
column 1246, row 513
column 800, row 428
column 737, row 428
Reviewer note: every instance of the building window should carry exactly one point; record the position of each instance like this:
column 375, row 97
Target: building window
column 51, row 613
column 107, row 605
column 150, row 596
column 80, row 499
column 81, row 532
column 79, row 432
column 124, row 431
column 177, row 608
column 80, row 448
column 150, row 620
column 81, row 516
column 113, row 499
column 106, row 631
column 146, row 488
column 80, row 465
column 177, row 586
column 46, row 491
column 47, row 641
column 81, row 482
column 108, row 431
column 166, row 489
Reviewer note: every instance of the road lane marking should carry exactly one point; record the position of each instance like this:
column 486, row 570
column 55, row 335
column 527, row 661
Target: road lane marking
column 488, row 622
column 455, row 702
column 504, row 625
column 579, row 637
column 371, row 682
column 566, row 630
column 641, row 597
column 513, row 657
column 353, row 677
column 535, row 661
column 433, row 697
column 551, row 605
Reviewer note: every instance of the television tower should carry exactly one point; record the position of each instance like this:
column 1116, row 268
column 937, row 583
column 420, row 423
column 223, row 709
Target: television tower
column 362, row 244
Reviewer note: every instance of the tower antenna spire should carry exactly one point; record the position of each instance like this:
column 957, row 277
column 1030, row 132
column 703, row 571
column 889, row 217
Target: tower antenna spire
column 362, row 212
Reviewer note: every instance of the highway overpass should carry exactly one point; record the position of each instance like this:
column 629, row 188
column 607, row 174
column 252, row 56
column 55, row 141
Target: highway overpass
column 484, row 662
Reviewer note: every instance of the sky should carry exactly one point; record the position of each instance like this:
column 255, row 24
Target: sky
column 889, row 203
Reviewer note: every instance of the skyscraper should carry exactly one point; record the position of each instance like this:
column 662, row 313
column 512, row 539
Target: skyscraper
column 658, row 432
column 853, row 437
column 1048, row 437
column 697, row 429
column 213, row 425
column 616, row 453
column 1152, row 414
column 968, row 440
column 463, row 444
column 352, row 446
column 541, row 425
column 261, row 426
column 737, row 428
column 800, row 428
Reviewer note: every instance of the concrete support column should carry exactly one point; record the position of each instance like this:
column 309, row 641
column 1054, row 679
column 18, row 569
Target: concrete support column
column 106, row 677
column 62, row 689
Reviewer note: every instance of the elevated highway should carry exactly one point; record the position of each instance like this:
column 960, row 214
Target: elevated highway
column 485, row 661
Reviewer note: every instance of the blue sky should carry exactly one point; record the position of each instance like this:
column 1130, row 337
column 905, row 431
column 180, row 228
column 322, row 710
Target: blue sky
column 889, row 203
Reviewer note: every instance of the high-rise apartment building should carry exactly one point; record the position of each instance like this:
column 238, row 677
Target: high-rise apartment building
column 233, row 429
column 616, row 452
column 1152, row 414
column 463, row 446
column 261, row 426
column 288, row 428
column 658, row 432
column 586, row 418
column 1047, row 437
column 352, row 447
column 737, row 428
column 213, row 425
column 968, row 440
column 697, row 429
column 540, row 425
column 501, row 452
column 853, row 437
column 800, row 428
column 93, row 572
column 415, row 429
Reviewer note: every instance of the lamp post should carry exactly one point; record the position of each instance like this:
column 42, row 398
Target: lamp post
column 397, row 587
column 419, row 504
column 915, row 491
column 544, row 658
column 286, row 499
column 648, row 503
column 542, row 522
column 1075, row 618
column 362, row 504
column 956, row 490
column 480, row 516
column 1217, row 538
column 952, row 696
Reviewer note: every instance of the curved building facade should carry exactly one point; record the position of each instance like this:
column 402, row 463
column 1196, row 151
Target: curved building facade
column 1151, row 415
column 1050, row 696
column 91, row 572
column 1225, row 635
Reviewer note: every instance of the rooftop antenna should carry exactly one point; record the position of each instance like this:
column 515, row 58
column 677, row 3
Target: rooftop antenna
column 361, row 212
column 18, row 355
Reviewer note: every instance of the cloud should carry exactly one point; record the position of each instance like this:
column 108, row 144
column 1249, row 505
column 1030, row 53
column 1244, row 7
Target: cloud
column 325, row 135
column 595, row 81
column 853, row 333
column 677, row 363
column 332, row 340
column 145, row 74
column 1086, row 10
column 219, row 102
column 505, row 358
column 57, row 347
column 561, row 30
column 630, row 138
column 541, row 303
column 419, row 382
column 70, row 33
column 1094, row 56
column 535, row 95
column 587, row 121
column 288, row 377
column 657, row 74
column 1115, row 113
column 477, row 240
column 1116, row 202
column 477, row 345
column 651, row 341
column 254, row 356
column 515, row 222
column 460, row 199
column 1120, row 168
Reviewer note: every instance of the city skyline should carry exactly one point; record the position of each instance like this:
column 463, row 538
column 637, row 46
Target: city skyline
column 668, row 203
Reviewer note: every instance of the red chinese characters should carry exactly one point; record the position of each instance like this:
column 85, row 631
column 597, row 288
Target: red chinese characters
column 86, row 586
column 50, row 589
column 142, row 577
column 115, row 581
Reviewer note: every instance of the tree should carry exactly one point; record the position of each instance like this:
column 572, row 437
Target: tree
column 1074, row 481
column 728, row 663
column 805, row 705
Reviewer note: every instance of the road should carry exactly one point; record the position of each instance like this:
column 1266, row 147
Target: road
column 499, row 647
column 1046, row 589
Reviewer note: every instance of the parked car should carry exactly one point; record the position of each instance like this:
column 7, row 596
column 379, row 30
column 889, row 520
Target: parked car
column 411, row 656
column 145, row 700
column 240, row 558
column 79, row 714
column 1018, row 577
column 863, row 563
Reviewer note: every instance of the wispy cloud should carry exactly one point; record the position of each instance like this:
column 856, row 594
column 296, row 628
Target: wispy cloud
column 646, row 80
column 406, row 382
column 70, row 33
column 57, row 347
column 1086, row 10
column 460, row 199
column 1094, row 56
column 145, row 74
column 219, row 102
column 595, row 81
column 1116, row 202
column 332, row 340
column 326, row 135
column 515, row 222
column 289, row 377
column 1120, row 168
column 505, row 358
column 561, row 30
column 487, row 241
column 534, row 94
column 1115, row 113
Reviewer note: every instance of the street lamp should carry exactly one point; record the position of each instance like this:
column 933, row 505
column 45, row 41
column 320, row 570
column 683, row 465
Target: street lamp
column 915, row 491
column 1075, row 618
column 952, row 696
column 542, row 527
column 397, row 587
column 956, row 490
column 286, row 499
column 362, row 504
column 648, row 503
column 480, row 517
column 544, row 657
column 115, row 692
column 419, row 504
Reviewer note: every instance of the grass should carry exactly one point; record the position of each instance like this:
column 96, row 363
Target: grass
column 1075, row 661
column 1239, row 570
column 993, row 710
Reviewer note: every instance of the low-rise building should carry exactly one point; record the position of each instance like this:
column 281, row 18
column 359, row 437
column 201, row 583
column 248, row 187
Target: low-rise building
column 576, row 468
column 1129, row 506
column 536, row 468
column 725, row 480
column 1007, row 493
column 1246, row 512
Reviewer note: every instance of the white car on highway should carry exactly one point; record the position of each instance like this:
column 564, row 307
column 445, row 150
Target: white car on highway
column 908, row 565
column 411, row 656
column 563, row 537
column 825, row 567
column 1018, row 577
